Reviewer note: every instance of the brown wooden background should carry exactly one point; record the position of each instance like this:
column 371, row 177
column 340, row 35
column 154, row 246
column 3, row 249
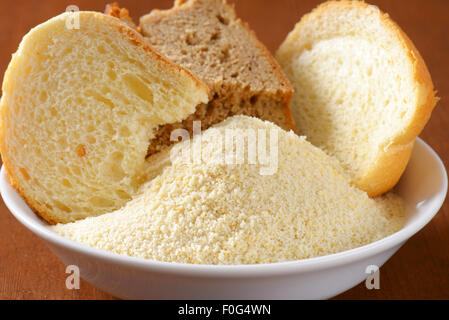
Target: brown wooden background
column 420, row 270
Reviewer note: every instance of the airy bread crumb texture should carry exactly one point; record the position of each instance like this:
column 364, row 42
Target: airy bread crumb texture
column 361, row 90
column 78, row 110
column 214, row 213
column 207, row 37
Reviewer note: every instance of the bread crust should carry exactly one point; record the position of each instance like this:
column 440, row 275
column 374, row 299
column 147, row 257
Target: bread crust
column 113, row 10
column 39, row 209
column 128, row 34
column 392, row 158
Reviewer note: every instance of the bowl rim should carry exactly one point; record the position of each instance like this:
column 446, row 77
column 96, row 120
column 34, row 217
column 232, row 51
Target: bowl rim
column 227, row 271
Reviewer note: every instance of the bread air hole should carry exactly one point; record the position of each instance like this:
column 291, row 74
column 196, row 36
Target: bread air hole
column 124, row 131
column 191, row 39
column 76, row 170
column 100, row 98
column 111, row 74
column 254, row 99
column 215, row 36
column 66, row 183
column 91, row 139
column 24, row 173
column 67, row 51
column 101, row 50
column 43, row 97
column 101, row 202
column 115, row 50
column 222, row 19
column 81, row 150
column 44, row 77
column 53, row 112
column 224, row 55
column 123, row 194
column 62, row 206
column 138, row 87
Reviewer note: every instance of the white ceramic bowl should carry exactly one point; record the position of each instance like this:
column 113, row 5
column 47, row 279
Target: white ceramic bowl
column 423, row 186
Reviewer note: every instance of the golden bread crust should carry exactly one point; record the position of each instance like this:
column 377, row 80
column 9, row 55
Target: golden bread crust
column 113, row 10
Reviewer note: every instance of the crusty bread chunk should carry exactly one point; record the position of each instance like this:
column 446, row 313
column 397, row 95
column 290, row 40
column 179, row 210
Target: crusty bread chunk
column 206, row 37
column 78, row 110
column 114, row 10
column 210, row 212
column 361, row 89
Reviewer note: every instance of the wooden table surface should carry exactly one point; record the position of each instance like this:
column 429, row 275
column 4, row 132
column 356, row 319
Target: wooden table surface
column 420, row 270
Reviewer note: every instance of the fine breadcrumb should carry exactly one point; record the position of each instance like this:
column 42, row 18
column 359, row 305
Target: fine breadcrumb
column 216, row 213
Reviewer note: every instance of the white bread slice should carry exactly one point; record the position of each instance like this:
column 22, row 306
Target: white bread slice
column 78, row 110
column 361, row 89
column 210, row 212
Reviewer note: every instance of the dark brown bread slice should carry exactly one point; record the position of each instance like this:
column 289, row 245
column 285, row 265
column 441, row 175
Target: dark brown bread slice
column 206, row 37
